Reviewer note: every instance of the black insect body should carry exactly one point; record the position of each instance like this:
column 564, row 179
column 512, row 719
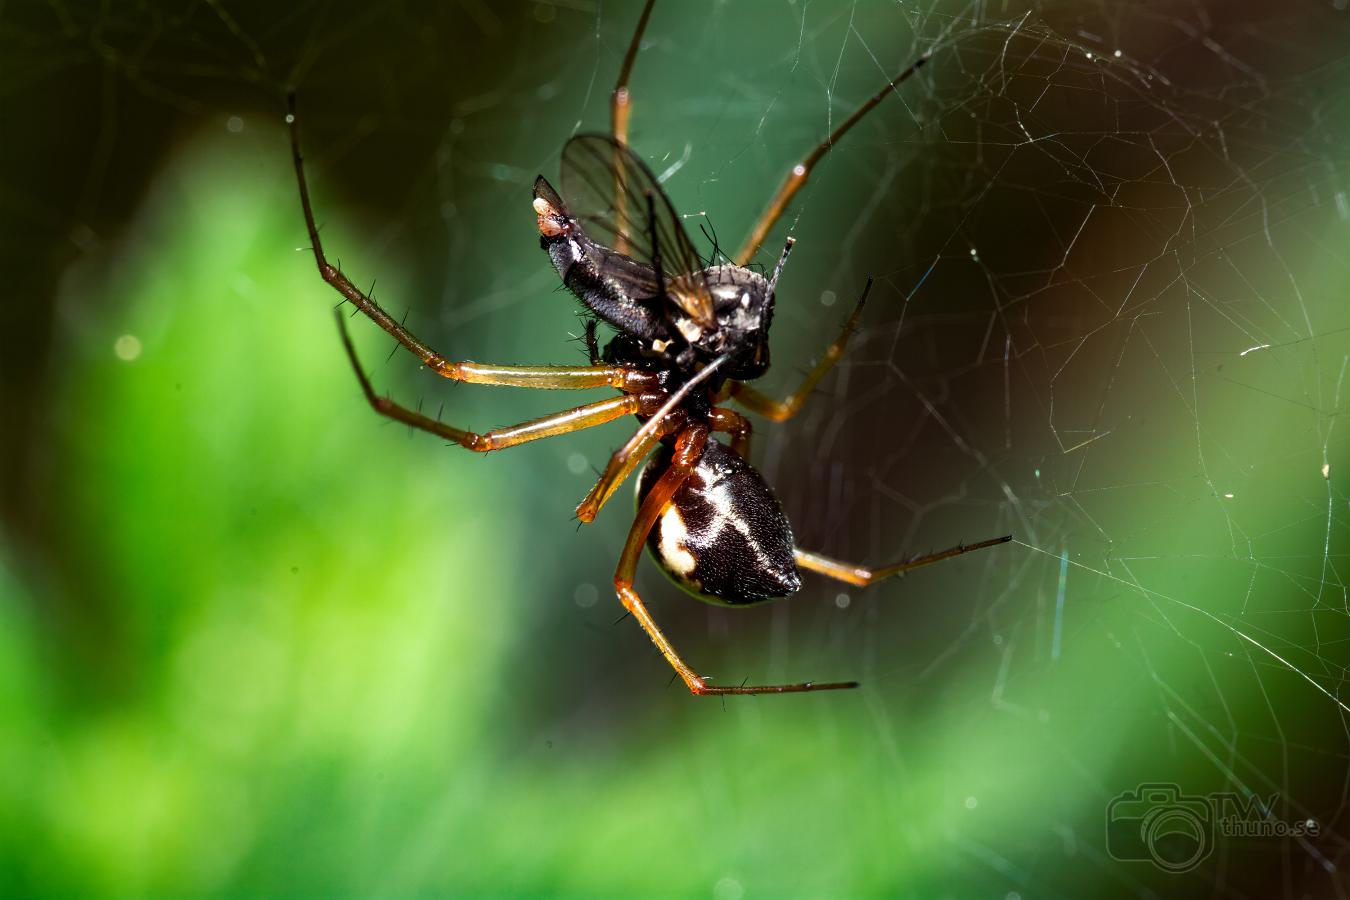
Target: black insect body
column 688, row 336
column 686, row 314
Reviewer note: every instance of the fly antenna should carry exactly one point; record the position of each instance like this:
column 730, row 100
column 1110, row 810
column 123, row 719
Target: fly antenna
column 782, row 261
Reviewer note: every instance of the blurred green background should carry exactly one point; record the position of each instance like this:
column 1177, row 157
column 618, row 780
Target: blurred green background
column 257, row 641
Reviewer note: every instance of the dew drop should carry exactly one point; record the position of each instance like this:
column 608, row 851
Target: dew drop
column 127, row 347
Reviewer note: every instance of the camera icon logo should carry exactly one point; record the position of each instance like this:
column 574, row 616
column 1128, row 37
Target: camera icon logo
column 1159, row 824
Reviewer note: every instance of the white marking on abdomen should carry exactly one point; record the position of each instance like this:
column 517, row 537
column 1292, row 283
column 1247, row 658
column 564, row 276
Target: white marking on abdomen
column 674, row 552
column 727, row 513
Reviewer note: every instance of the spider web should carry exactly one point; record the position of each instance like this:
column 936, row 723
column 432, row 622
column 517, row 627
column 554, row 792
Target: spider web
column 1120, row 326
column 1123, row 244
column 1110, row 318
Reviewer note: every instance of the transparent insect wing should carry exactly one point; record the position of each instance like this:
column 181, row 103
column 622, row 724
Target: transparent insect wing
column 619, row 202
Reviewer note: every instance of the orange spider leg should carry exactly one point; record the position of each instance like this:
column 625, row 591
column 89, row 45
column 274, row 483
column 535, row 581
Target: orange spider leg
column 545, row 377
column 782, row 410
column 587, row 416
column 660, row 422
column 622, row 463
column 688, row 448
column 862, row 576
column 620, row 110
column 796, row 178
column 730, row 422
column 620, row 104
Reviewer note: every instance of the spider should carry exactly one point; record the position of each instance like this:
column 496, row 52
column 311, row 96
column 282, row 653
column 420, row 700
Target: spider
column 688, row 336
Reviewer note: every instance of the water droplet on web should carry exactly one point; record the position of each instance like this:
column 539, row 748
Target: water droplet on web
column 127, row 347
column 728, row 888
column 586, row 595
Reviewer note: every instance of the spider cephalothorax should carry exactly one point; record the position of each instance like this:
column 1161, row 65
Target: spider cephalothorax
column 688, row 337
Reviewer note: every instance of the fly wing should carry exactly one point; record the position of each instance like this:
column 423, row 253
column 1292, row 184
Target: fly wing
column 619, row 202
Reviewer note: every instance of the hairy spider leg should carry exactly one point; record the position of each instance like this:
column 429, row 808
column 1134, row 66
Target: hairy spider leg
column 862, row 576
column 620, row 109
column 565, row 422
column 623, row 378
column 782, row 410
column 799, row 173
column 688, row 448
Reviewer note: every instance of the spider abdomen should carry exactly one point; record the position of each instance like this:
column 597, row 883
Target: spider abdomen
column 724, row 537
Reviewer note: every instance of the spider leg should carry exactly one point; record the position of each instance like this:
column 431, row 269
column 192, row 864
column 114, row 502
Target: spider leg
column 797, row 176
column 782, row 410
column 688, row 448
column 861, row 576
column 586, row 416
column 661, row 421
column 730, row 422
column 621, row 101
column 620, row 109
column 622, row 463
column 545, row 377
